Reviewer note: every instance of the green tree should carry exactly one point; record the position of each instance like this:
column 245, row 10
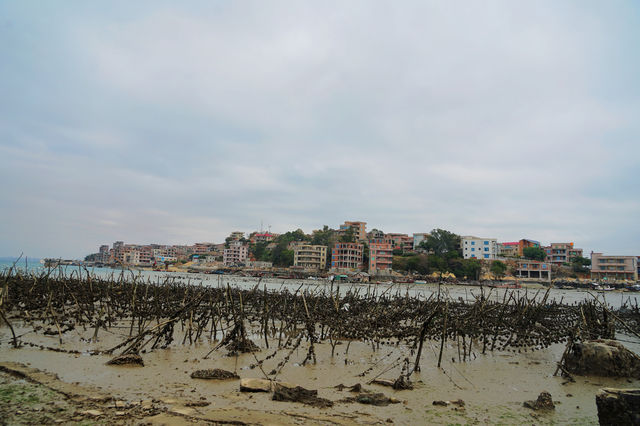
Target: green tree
column 281, row 256
column 437, row 263
column 471, row 268
column 498, row 269
column 580, row 264
column 534, row 253
column 441, row 242
column 323, row 237
column 418, row 263
column 260, row 251
column 348, row 236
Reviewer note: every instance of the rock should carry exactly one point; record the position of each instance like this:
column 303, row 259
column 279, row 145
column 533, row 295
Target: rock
column 544, row 402
column 255, row 385
column 127, row 359
column 441, row 403
column 602, row 357
column 618, row 406
column 94, row 413
column 214, row 374
column 183, row 411
column 300, row 394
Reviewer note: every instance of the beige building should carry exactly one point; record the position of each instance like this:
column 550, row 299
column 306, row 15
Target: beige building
column 534, row 269
column 310, row 257
column 614, row 267
column 359, row 230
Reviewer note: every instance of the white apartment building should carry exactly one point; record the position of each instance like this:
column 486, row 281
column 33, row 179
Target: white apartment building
column 236, row 253
column 479, row 248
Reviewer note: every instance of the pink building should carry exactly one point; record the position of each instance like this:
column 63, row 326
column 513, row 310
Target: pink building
column 380, row 258
column 346, row 257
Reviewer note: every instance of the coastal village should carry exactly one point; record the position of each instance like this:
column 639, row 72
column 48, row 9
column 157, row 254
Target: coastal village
column 355, row 254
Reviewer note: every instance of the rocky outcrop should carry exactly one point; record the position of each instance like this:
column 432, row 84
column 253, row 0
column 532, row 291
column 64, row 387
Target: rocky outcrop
column 618, row 406
column 606, row 358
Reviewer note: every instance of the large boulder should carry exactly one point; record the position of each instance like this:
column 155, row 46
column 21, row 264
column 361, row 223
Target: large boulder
column 618, row 406
column 602, row 357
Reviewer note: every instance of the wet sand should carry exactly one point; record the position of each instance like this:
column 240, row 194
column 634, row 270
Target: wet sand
column 493, row 386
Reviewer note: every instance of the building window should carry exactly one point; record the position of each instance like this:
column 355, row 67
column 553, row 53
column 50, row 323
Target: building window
column 473, row 249
column 473, row 243
column 486, row 249
column 486, row 256
column 486, row 243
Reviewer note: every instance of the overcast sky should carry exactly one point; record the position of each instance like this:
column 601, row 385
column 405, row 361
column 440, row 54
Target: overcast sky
column 176, row 123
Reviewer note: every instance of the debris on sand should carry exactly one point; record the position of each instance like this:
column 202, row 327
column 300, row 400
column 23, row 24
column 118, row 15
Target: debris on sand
column 458, row 402
column 355, row 388
column 378, row 399
column 197, row 404
column 214, row 374
column 602, row 357
column 242, row 346
column 544, row 402
column 127, row 359
column 618, row 406
column 401, row 383
column 261, row 385
column 300, row 394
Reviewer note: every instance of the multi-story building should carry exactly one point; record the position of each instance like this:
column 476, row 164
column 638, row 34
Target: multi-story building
column 525, row 243
column 312, row 257
column 202, row 248
column 375, row 234
column 346, row 257
column 559, row 253
column 380, row 258
column 359, row 230
column 117, row 253
column 418, row 238
column 103, row 253
column 400, row 241
column 236, row 235
column 509, row 249
column 145, row 255
column 605, row 267
column 534, row 269
column 479, row 248
column 236, row 254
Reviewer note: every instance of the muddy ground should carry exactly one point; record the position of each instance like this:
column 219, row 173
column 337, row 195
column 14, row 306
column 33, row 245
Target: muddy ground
column 42, row 386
